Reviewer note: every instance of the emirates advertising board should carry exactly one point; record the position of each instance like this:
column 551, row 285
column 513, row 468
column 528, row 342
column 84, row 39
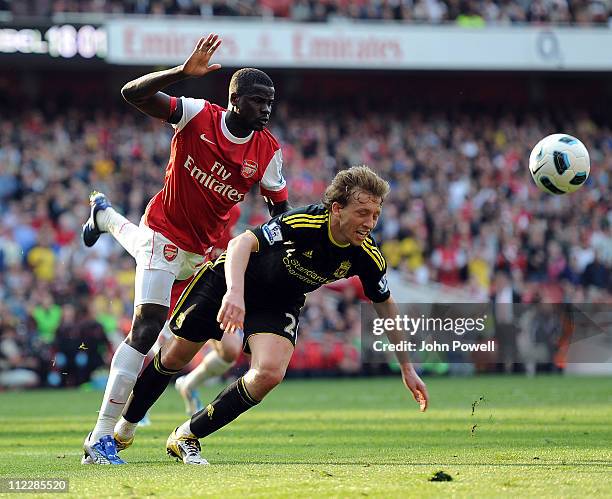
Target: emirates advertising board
column 363, row 46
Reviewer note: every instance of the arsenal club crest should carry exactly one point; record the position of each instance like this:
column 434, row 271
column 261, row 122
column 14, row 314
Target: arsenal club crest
column 249, row 167
column 170, row 252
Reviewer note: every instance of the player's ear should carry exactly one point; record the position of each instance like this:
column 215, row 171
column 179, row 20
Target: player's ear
column 335, row 208
column 234, row 99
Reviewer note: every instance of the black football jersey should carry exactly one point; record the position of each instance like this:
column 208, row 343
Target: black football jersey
column 297, row 254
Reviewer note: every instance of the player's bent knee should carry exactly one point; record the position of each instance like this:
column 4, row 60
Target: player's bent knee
column 174, row 361
column 151, row 312
column 148, row 321
column 143, row 336
column 266, row 378
column 178, row 352
column 145, row 330
column 230, row 350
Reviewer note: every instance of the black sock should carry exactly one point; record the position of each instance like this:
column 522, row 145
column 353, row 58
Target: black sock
column 149, row 386
column 228, row 405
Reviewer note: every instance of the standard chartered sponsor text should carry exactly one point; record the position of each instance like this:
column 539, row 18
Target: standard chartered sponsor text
column 310, row 276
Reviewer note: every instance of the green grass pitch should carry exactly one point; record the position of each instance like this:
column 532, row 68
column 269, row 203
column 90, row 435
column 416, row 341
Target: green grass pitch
column 548, row 436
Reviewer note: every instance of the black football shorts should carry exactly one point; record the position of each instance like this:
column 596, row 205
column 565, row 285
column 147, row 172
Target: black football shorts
column 194, row 317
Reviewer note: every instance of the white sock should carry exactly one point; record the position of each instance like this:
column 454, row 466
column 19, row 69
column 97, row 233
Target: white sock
column 127, row 363
column 166, row 334
column 164, row 337
column 212, row 365
column 185, row 430
column 125, row 429
column 124, row 231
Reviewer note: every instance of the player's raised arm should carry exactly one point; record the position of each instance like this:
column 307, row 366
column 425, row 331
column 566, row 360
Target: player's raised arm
column 144, row 92
column 231, row 312
column 388, row 309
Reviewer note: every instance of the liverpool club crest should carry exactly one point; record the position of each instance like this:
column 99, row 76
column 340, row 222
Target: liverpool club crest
column 343, row 269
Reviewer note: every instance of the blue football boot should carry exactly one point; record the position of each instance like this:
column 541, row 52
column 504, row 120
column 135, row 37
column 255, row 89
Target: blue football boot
column 104, row 451
column 91, row 232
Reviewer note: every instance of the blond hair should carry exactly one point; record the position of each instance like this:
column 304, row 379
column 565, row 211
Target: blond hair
column 347, row 183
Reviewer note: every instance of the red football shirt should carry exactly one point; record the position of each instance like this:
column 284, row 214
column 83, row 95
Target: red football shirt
column 221, row 245
column 209, row 171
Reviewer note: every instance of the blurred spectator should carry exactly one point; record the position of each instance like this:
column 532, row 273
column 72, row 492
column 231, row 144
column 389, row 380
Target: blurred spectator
column 462, row 211
column 503, row 296
column 47, row 316
column 80, row 346
column 597, row 274
column 470, row 13
column 18, row 366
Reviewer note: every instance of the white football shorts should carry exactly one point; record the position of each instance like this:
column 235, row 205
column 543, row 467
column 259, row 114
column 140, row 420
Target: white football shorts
column 159, row 262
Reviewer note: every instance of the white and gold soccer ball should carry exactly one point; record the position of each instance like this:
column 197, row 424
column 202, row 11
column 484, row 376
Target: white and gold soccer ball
column 559, row 164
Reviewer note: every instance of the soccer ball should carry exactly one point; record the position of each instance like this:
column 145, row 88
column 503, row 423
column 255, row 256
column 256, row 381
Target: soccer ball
column 559, row 164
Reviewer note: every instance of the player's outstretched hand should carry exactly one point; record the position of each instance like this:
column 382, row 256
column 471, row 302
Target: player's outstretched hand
column 197, row 63
column 414, row 383
column 231, row 313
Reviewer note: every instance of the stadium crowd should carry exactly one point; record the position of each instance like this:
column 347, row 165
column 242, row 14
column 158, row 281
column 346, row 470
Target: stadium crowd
column 472, row 13
column 463, row 213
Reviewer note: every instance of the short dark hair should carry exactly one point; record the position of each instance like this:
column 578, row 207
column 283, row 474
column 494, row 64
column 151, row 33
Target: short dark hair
column 243, row 79
column 347, row 183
